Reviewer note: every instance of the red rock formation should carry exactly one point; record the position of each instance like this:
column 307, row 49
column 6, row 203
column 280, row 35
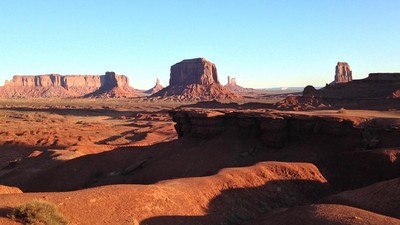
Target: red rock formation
column 9, row 190
column 233, row 86
column 113, row 86
column 377, row 91
column 55, row 85
column 343, row 73
column 327, row 214
column 382, row 197
column 346, row 150
column 195, row 79
column 158, row 87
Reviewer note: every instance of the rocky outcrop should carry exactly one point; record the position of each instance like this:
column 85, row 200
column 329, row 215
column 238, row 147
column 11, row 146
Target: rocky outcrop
column 377, row 91
column 113, row 86
column 195, row 79
column 358, row 144
column 343, row 73
column 233, row 86
column 56, row 85
column 158, row 87
column 276, row 129
column 377, row 85
column 9, row 190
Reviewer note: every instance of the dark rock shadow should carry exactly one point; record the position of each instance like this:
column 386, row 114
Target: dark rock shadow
column 4, row 212
column 114, row 114
column 239, row 206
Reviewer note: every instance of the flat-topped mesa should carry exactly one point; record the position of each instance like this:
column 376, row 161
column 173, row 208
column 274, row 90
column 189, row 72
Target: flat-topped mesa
column 384, row 76
column 195, row 79
column 56, row 85
column 47, row 80
column 343, row 73
column 194, row 71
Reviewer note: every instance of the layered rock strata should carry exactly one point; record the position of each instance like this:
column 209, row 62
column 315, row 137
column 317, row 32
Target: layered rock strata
column 195, row 79
column 379, row 91
column 56, row 85
column 343, row 73
column 376, row 85
column 323, row 140
column 158, row 87
column 233, row 86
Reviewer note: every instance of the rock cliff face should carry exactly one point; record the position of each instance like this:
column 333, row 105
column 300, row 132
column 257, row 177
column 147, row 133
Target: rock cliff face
column 377, row 85
column 195, row 79
column 56, row 85
column 343, row 73
column 377, row 91
column 158, row 87
column 364, row 147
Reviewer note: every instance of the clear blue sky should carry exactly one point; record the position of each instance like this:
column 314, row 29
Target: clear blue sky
column 263, row 43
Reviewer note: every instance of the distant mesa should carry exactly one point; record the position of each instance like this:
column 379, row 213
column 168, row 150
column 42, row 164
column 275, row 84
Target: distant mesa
column 233, row 86
column 110, row 85
column 195, row 79
column 113, row 86
column 376, row 85
column 377, row 91
column 158, row 87
column 343, row 73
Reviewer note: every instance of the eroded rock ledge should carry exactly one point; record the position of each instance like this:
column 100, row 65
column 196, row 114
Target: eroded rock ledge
column 277, row 128
column 351, row 150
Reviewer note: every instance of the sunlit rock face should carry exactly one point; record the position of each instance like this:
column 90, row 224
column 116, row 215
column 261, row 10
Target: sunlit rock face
column 343, row 73
column 195, row 79
column 56, row 85
column 158, row 87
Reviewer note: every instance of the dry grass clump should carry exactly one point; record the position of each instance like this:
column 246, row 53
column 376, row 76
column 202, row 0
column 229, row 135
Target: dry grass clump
column 38, row 212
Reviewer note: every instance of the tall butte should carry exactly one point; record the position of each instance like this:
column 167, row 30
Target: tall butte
column 158, row 87
column 343, row 73
column 195, row 79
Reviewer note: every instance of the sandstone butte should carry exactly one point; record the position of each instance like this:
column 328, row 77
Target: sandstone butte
column 195, row 79
column 158, row 87
column 233, row 86
column 377, row 91
column 343, row 73
column 60, row 86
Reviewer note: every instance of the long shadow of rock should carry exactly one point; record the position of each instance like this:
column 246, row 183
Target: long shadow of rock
column 84, row 111
column 185, row 157
column 4, row 212
column 238, row 206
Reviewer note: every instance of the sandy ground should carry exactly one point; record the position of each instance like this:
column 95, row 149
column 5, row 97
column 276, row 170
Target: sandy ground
column 132, row 168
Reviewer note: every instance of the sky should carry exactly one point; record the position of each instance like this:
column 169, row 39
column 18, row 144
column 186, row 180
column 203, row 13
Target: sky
column 263, row 43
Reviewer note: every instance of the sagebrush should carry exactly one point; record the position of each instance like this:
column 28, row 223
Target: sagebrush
column 38, row 212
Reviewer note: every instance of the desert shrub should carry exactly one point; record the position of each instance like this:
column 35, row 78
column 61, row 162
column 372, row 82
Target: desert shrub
column 38, row 212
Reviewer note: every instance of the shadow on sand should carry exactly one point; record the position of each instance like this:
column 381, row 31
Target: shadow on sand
column 239, row 206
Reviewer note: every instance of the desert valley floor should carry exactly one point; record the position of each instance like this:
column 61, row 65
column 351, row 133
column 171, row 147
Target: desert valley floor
column 135, row 161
